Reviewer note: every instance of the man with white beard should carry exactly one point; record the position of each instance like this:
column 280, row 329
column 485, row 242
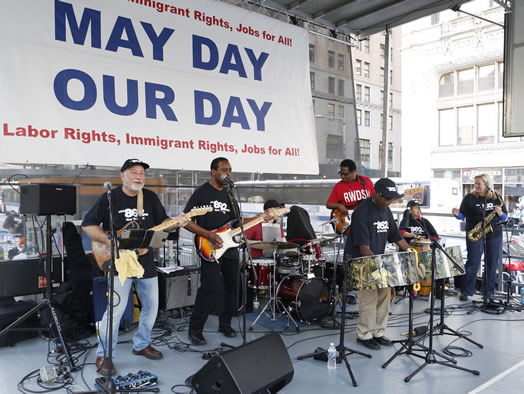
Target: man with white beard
column 130, row 202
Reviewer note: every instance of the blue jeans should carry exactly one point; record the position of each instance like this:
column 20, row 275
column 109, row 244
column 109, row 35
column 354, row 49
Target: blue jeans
column 475, row 251
column 147, row 291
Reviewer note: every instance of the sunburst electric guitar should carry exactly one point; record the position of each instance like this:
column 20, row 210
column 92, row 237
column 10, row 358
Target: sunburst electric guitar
column 339, row 221
column 206, row 250
column 102, row 252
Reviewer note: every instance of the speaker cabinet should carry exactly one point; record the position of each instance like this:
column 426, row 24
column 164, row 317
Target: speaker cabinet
column 47, row 199
column 260, row 366
column 178, row 290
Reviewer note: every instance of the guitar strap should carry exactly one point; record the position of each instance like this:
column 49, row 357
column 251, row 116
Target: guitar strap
column 140, row 205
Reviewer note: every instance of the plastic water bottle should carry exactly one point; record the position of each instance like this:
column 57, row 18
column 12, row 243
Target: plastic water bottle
column 256, row 304
column 522, row 295
column 332, row 356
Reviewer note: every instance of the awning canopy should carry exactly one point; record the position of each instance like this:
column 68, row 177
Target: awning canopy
column 357, row 17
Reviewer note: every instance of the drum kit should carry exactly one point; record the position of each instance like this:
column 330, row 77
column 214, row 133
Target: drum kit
column 294, row 280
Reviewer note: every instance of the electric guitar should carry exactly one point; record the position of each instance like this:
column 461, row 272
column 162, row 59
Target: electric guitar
column 208, row 253
column 339, row 221
column 102, row 252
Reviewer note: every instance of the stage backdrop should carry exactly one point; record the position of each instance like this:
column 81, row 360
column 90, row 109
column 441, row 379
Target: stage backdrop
column 174, row 83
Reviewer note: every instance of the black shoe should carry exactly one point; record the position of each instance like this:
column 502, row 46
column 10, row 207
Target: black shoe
column 196, row 338
column 463, row 297
column 383, row 341
column 369, row 343
column 228, row 331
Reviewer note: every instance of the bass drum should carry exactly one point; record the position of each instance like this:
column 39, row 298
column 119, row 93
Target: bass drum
column 308, row 298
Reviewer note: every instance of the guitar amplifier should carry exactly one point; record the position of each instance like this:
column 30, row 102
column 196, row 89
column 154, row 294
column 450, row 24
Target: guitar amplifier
column 178, row 289
column 47, row 199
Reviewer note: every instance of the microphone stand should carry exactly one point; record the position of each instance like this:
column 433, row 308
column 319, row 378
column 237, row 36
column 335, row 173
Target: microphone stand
column 246, row 254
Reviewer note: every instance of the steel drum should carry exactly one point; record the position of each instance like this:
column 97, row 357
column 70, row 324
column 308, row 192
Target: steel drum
column 383, row 270
column 444, row 267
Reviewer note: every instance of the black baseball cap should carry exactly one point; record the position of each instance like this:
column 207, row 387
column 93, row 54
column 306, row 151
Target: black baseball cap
column 387, row 189
column 413, row 203
column 133, row 162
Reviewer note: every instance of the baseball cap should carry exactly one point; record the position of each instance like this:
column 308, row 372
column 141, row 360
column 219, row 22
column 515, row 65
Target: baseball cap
column 133, row 162
column 387, row 189
column 413, row 203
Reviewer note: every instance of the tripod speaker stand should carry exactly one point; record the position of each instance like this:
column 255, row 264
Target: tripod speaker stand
column 46, row 303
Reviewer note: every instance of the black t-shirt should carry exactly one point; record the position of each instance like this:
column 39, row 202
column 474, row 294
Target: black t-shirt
column 372, row 226
column 125, row 211
column 222, row 210
column 417, row 226
column 472, row 207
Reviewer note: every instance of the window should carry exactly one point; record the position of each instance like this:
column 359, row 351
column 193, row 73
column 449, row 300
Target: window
column 367, row 94
column 447, row 127
column 341, row 61
column 312, row 80
column 358, row 92
column 447, row 85
column 390, row 123
column 311, row 53
column 358, row 45
column 500, row 67
column 359, row 117
column 358, row 67
column 465, row 81
column 382, row 72
column 487, row 123
column 331, row 85
column 331, row 59
column 390, row 100
column 486, row 78
column 366, row 69
column 340, row 113
column 367, row 118
column 331, row 110
column 435, row 18
column 382, row 50
column 365, row 153
column 466, row 125
column 335, row 147
column 391, row 77
column 390, row 155
column 366, row 45
column 341, row 87
column 381, row 97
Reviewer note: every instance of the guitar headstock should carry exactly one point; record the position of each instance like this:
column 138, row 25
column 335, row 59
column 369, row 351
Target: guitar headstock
column 275, row 212
column 199, row 211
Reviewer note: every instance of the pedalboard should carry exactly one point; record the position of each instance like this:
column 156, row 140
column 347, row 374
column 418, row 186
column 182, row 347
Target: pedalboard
column 130, row 381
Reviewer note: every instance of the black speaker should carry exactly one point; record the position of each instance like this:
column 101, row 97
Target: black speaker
column 260, row 366
column 47, row 199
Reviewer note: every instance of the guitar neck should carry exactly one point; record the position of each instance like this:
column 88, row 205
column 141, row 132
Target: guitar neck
column 170, row 223
column 254, row 222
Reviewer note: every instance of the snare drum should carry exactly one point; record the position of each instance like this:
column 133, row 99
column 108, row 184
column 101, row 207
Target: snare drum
column 308, row 298
column 289, row 266
column 264, row 269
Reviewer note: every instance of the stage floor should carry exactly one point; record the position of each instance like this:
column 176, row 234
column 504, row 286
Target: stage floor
column 500, row 362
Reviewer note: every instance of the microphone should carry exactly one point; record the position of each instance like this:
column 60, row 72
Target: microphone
column 227, row 180
column 107, row 186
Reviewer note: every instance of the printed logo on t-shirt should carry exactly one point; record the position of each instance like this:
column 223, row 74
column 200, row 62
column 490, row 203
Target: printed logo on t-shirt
column 416, row 230
column 489, row 206
column 219, row 206
column 355, row 195
column 131, row 214
column 382, row 226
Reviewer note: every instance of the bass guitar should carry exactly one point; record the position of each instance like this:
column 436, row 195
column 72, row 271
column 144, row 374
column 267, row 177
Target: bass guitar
column 208, row 253
column 102, row 252
column 339, row 221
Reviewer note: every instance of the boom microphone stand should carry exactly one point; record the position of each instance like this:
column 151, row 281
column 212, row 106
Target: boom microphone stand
column 343, row 351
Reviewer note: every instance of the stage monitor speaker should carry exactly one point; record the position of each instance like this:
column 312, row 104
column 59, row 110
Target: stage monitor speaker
column 260, row 366
column 47, row 199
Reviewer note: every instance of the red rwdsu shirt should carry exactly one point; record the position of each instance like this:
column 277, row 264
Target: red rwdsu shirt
column 352, row 193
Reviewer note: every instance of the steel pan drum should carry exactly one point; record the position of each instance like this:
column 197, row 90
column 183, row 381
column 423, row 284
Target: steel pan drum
column 383, row 270
column 444, row 267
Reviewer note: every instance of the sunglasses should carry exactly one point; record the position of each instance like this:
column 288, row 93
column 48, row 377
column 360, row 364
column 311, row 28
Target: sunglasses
column 343, row 173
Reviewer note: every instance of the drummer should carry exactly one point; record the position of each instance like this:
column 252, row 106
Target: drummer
column 413, row 226
column 254, row 234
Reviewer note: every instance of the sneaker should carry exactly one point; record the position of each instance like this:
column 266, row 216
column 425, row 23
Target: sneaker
column 463, row 297
column 369, row 343
column 196, row 338
column 228, row 331
column 383, row 341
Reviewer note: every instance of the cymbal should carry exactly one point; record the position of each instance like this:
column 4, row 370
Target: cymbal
column 322, row 239
column 274, row 245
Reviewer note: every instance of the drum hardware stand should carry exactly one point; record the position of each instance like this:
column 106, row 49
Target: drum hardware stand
column 54, row 324
column 342, row 350
column 431, row 354
column 335, row 299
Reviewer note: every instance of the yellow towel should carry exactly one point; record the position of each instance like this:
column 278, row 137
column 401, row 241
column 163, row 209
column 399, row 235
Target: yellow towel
column 128, row 266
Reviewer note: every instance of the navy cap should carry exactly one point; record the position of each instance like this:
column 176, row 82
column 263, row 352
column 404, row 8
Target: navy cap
column 413, row 203
column 133, row 162
column 387, row 189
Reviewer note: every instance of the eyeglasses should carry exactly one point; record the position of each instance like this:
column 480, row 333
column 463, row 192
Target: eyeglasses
column 344, row 173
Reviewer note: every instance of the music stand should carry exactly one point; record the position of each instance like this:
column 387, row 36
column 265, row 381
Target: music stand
column 46, row 302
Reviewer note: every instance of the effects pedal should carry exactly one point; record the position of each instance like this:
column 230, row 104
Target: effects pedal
column 130, row 381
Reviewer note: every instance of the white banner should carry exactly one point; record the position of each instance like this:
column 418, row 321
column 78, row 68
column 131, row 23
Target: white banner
column 175, row 83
